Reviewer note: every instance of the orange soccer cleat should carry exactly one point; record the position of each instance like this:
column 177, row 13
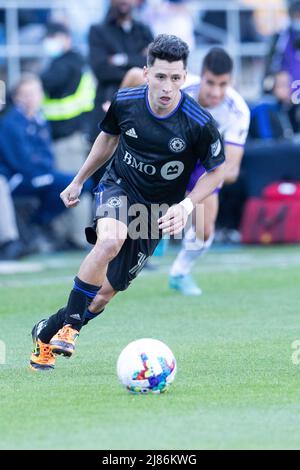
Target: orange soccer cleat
column 64, row 341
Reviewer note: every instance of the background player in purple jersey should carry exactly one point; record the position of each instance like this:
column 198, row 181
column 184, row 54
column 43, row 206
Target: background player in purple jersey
column 156, row 134
column 212, row 91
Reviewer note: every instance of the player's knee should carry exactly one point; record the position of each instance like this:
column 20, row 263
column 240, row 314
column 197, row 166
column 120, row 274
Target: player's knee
column 107, row 249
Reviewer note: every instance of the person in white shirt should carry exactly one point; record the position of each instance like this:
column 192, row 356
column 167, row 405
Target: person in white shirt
column 212, row 91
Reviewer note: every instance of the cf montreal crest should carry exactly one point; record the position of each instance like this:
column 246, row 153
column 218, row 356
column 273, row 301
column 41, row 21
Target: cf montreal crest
column 177, row 145
column 114, row 202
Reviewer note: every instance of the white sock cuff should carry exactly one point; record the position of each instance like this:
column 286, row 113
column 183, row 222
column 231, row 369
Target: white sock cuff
column 209, row 241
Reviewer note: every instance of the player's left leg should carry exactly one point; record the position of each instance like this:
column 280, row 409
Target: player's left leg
column 121, row 271
column 63, row 341
column 42, row 357
column 87, row 283
column 111, row 235
column 196, row 242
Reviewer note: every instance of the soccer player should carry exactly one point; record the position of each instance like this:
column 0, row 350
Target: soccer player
column 156, row 133
column 214, row 93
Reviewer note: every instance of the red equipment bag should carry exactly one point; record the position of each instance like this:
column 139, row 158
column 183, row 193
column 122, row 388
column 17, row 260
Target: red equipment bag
column 272, row 219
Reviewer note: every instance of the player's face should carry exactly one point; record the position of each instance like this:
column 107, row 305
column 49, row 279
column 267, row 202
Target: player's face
column 213, row 88
column 164, row 79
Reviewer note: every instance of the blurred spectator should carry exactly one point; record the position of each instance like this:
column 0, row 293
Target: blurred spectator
column 11, row 247
column 26, row 147
column 285, row 48
column 68, row 86
column 269, row 16
column 171, row 17
column 78, row 18
column 70, row 93
column 116, row 45
column 276, row 117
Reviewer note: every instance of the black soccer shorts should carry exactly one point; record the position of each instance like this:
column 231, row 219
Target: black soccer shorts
column 111, row 200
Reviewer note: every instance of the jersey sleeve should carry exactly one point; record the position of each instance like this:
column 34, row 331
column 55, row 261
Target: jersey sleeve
column 212, row 150
column 237, row 133
column 110, row 123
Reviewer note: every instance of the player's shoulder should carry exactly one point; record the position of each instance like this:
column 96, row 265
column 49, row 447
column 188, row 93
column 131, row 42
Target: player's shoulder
column 130, row 94
column 194, row 111
column 236, row 102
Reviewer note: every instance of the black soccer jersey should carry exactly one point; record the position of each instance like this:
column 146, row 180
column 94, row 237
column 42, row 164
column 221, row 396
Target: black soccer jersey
column 156, row 155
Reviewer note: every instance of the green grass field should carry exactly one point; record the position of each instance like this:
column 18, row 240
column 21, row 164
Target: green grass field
column 236, row 385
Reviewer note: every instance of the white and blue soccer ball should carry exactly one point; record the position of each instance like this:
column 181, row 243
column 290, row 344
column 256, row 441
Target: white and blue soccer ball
column 146, row 366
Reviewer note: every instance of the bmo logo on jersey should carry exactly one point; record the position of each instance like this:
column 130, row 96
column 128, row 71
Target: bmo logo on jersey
column 169, row 171
column 140, row 166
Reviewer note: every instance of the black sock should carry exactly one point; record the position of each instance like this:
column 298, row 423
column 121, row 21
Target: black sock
column 88, row 316
column 54, row 323
column 80, row 298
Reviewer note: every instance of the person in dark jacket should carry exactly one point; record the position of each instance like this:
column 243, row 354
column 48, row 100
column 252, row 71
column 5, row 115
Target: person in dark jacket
column 285, row 48
column 116, row 45
column 67, row 85
column 276, row 116
column 25, row 144
column 70, row 94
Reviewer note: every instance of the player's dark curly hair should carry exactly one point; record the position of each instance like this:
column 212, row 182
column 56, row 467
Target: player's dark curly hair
column 217, row 61
column 169, row 48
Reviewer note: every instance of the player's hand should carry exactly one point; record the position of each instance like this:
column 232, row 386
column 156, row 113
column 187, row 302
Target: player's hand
column 70, row 195
column 174, row 220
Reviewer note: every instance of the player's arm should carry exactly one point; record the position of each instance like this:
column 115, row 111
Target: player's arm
column 102, row 150
column 234, row 155
column 234, row 142
column 207, row 184
column 176, row 217
column 213, row 158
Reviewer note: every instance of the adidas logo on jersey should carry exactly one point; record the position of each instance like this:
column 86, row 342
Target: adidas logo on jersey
column 131, row 132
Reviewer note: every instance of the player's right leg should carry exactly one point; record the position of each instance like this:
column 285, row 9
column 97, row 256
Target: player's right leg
column 111, row 236
column 97, row 306
column 196, row 243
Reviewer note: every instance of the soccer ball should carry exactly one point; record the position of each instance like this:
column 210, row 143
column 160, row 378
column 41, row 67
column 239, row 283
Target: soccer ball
column 146, row 366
